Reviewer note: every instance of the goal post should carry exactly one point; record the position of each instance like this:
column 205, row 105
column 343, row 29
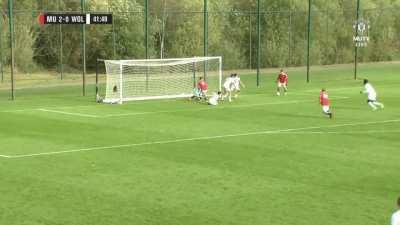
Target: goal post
column 145, row 79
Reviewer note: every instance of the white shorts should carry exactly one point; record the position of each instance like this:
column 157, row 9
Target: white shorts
column 213, row 102
column 236, row 88
column 228, row 89
column 372, row 97
column 325, row 108
column 282, row 84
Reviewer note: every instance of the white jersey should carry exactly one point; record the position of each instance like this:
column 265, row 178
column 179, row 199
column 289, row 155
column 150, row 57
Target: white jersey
column 395, row 218
column 370, row 91
column 236, row 83
column 214, row 99
column 229, row 83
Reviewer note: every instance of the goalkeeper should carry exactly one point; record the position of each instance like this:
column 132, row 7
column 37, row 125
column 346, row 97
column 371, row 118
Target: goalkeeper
column 202, row 86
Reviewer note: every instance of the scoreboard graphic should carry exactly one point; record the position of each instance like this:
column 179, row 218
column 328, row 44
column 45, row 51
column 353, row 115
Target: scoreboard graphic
column 75, row 18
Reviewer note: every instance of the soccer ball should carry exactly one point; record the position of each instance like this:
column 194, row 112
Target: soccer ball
column 278, row 93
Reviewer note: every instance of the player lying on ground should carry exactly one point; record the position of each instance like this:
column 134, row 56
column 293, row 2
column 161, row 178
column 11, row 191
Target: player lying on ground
column 282, row 82
column 228, row 87
column 324, row 101
column 197, row 94
column 371, row 93
column 237, row 83
column 214, row 98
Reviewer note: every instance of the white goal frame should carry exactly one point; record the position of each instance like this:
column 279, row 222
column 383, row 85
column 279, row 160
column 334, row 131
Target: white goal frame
column 152, row 63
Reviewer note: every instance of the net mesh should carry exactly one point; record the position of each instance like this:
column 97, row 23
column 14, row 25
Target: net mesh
column 159, row 78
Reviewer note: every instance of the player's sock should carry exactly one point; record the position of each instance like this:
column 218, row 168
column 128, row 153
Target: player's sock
column 379, row 104
column 372, row 105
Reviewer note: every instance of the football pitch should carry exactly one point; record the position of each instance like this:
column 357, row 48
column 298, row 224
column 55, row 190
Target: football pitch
column 262, row 159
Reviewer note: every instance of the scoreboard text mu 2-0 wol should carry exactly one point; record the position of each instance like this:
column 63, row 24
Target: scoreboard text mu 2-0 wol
column 75, row 18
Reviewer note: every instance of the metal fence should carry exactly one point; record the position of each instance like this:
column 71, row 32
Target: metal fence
column 253, row 38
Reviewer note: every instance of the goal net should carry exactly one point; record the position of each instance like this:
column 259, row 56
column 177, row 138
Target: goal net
column 128, row 80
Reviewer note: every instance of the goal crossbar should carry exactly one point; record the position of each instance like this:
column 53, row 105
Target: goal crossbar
column 193, row 59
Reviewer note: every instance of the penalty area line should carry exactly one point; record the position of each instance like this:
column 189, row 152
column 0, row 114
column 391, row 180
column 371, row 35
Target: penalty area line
column 45, row 107
column 163, row 111
column 68, row 113
column 345, row 132
column 199, row 138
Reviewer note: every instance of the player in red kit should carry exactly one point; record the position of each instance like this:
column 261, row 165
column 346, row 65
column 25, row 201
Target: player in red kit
column 324, row 101
column 282, row 81
column 202, row 86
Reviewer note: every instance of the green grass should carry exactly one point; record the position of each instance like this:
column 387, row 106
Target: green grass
column 343, row 171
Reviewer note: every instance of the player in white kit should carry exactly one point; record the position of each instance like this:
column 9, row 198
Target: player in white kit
column 214, row 98
column 228, row 87
column 395, row 220
column 237, row 83
column 371, row 93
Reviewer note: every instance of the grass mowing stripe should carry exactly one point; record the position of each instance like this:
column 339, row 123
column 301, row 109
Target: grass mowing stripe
column 48, row 107
column 212, row 108
column 201, row 138
column 202, row 109
column 349, row 88
column 166, row 111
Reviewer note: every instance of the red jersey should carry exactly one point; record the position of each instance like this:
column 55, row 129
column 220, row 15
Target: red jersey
column 202, row 85
column 323, row 98
column 283, row 78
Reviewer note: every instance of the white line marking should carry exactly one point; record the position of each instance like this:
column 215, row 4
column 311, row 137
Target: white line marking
column 17, row 110
column 200, row 138
column 346, row 132
column 43, row 107
column 270, row 95
column 69, row 113
column 83, row 106
column 154, row 112
column 5, row 156
column 164, row 111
